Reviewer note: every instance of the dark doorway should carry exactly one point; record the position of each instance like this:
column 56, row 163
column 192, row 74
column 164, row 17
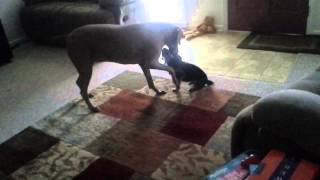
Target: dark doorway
column 268, row 16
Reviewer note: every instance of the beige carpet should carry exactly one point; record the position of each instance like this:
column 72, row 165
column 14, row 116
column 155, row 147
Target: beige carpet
column 217, row 54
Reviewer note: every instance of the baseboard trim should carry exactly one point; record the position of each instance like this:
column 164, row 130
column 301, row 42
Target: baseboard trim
column 220, row 28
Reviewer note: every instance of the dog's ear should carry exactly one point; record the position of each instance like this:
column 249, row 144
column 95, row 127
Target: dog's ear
column 165, row 51
column 175, row 39
column 165, row 54
column 179, row 35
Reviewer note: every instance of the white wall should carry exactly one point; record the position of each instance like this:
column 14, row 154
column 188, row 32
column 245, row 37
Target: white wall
column 173, row 11
column 314, row 17
column 216, row 8
column 9, row 14
column 181, row 12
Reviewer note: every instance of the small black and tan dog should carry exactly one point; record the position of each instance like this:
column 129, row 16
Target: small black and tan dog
column 186, row 72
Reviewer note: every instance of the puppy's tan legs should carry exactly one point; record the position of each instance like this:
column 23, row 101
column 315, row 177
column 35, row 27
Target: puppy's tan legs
column 148, row 76
column 159, row 66
column 83, row 83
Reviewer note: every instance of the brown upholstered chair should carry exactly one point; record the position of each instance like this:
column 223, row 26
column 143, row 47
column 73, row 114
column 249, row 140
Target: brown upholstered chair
column 50, row 21
column 288, row 120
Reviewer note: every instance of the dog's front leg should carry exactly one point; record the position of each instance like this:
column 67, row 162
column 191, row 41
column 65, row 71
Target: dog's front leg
column 159, row 66
column 148, row 76
column 177, row 86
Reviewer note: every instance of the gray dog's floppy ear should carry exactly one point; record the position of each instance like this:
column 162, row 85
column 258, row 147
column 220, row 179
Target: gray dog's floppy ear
column 179, row 35
column 175, row 39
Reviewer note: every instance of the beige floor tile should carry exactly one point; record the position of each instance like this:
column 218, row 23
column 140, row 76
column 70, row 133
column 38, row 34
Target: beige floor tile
column 218, row 66
column 279, row 68
column 217, row 54
column 248, row 69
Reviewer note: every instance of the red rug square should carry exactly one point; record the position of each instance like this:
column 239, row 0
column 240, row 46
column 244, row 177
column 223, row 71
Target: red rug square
column 194, row 125
column 127, row 105
column 103, row 169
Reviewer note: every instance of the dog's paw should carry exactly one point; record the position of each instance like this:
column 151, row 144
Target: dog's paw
column 193, row 89
column 160, row 93
column 95, row 110
column 175, row 90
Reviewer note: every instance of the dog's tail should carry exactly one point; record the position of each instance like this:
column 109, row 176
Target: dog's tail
column 209, row 83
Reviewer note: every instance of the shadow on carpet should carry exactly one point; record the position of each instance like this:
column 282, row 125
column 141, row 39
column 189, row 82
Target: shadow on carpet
column 136, row 136
column 282, row 43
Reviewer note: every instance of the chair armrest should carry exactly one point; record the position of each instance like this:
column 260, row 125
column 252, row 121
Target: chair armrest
column 293, row 115
column 116, row 7
column 244, row 132
column 111, row 3
column 31, row 2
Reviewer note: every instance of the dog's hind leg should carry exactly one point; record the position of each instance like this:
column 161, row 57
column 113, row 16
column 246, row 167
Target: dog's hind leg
column 196, row 86
column 81, row 57
column 91, row 95
column 148, row 76
column 83, row 83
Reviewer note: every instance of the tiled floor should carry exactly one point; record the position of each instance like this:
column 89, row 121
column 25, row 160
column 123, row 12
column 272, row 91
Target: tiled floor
column 218, row 55
column 41, row 79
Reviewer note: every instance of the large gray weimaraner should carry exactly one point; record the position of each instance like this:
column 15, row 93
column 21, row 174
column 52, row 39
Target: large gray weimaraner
column 129, row 44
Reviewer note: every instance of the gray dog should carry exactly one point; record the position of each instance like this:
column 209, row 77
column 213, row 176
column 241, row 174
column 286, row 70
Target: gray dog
column 130, row 44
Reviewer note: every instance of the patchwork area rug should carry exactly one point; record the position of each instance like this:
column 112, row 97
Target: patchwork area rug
column 136, row 136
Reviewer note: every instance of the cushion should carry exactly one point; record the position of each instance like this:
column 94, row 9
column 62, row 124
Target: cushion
column 30, row 2
column 108, row 3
